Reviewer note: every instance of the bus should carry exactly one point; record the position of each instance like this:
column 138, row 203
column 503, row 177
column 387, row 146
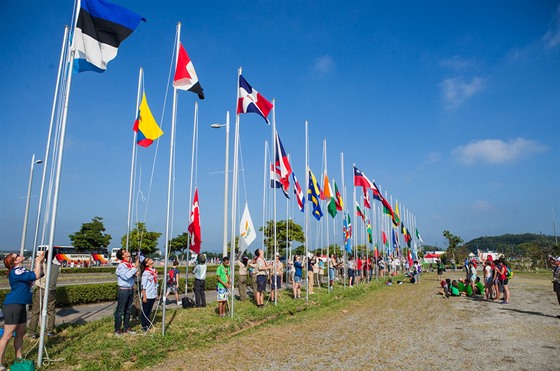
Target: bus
column 68, row 256
column 99, row 258
column 114, row 260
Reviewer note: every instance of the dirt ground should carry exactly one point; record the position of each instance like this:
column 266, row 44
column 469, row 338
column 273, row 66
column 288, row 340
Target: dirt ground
column 402, row 327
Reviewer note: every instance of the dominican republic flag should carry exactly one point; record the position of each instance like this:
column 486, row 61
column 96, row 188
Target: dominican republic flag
column 299, row 193
column 185, row 75
column 282, row 165
column 251, row 101
column 275, row 179
column 99, row 30
column 194, row 225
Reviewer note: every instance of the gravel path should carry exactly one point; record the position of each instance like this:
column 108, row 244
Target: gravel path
column 402, row 327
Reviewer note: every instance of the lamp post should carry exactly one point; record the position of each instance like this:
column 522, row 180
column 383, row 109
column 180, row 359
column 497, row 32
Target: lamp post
column 33, row 162
column 226, row 177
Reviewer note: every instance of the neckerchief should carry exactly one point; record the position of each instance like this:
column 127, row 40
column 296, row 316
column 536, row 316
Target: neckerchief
column 153, row 272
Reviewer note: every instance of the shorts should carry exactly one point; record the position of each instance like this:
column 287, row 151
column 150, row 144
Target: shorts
column 276, row 282
column 172, row 289
column 331, row 273
column 351, row 273
column 440, row 272
column 14, row 314
column 503, row 282
column 261, row 283
column 488, row 281
column 222, row 293
column 473, row 278
column 297, row 279
column 556, row 286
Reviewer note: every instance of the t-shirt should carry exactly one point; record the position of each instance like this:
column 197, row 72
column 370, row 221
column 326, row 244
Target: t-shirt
column 468, row 290
column 298, row 268
column 480, row 287
column 454, row 291
column 261, row 264
column 21, row 281
column 461, row 286
column 223, row 273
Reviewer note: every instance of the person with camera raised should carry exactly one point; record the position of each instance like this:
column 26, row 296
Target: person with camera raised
column 126, row 272
column 262, row 274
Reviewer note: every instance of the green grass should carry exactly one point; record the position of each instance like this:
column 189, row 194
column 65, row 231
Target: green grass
column 93, row 346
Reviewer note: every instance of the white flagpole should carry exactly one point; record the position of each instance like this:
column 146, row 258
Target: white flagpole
column 274, row 154
column 133, row 160
column 169, row 180
column 56, row 188
column 327, row 234
column 234, row 199
column 344, row 255
column 306, row 214
column 194, row 164
column 265, row 177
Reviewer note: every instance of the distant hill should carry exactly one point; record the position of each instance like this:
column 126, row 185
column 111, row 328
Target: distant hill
column 505, row 242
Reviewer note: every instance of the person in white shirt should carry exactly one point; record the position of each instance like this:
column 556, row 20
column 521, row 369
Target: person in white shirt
column 199, row 271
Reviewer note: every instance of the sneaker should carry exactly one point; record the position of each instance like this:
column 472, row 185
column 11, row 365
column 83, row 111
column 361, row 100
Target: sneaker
column 130, row 332
column 118, row 333
column 506, row 302
column 50, row 334
column 33, row 336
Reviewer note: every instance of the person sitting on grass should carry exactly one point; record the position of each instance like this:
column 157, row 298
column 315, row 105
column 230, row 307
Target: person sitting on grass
column 223, row 285
column 479, row 287
column 455, row 289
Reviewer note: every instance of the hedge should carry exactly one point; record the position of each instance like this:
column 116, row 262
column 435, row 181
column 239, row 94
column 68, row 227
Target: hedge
column 70, row 295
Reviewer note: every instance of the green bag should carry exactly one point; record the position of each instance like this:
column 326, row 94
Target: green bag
column 21, row 364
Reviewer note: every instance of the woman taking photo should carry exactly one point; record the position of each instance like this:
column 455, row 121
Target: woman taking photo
column 15, row 313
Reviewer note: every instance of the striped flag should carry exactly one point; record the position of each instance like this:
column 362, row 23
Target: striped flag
column 185, row 76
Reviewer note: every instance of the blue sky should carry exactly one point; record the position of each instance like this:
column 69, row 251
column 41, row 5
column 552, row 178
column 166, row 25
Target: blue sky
column 452, row 108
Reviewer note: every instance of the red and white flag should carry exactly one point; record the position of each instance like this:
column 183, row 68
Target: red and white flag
column 194, row 225
column 185, row 75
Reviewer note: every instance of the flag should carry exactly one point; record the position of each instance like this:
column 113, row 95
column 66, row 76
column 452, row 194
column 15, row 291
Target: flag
column 347, row 232
column 326, row 194
column 387, row 209
column 376, row 251
column 313, row 193
column 397, row 217
column 369, row 231
column 418, row 236
column 339, row 203
column 376, row 191
column 409, row 258
column 247, row 233
column 275, row 179
column 194, row 225
column 282, row 164
column 360, row 179
column 99, row 30
column 384, row 237
column 250, row 100
column 299, row 193
column 145, row 125
column 367, row 204
column 407, row 237
column 395, row 240
column 360, row 213
column 185, row 76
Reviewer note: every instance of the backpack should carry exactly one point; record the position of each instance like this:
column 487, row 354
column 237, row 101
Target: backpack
column 171, row 277
column 187, row 302
column 509, row 273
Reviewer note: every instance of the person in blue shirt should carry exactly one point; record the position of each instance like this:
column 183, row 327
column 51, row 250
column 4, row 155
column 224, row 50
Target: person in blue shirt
column 298, row 267
column 14, row 308
column 126, row 272
column 149, row 292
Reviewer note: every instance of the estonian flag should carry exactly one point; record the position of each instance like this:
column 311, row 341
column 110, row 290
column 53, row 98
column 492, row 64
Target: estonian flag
column 100, row 28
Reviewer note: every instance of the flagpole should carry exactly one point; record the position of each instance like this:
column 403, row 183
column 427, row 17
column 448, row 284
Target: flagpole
column 56, row 188
column 306, row 216
column 352, row 236
column 274, row 156
column 343, row 216
column 133, row 160
column 234, row 197
column 266, row 171
column 169, row 179
column 327, row 234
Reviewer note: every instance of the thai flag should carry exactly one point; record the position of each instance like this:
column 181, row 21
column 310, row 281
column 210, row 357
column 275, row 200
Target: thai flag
column 299, row 193
column 282, row 164
column 250, row 100
column 99, row 30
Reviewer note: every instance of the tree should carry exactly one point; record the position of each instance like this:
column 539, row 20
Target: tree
column 180, row 244
column 90, row 237
column 141, row 239
column 284, row 237
column 453, row 241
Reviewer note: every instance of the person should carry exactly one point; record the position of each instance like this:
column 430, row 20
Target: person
column 417, row 272
column 126, row 272
column 252, row 270
column 38, row 297
column 455, row 291
column 555, row 263
column 242, row 282
column 351, row 271
column 298, row 274
column 479, row 287
column 222, row 274
column 381, row 265
column 503, row 281
column 149, row 292
column 332, row 267
column 262, row 273
column 472, row 276
column 276, row 278
column 440, row 269
column 173, row 282
column 359, row 269
column 321, row 268
column 488, row 279
column 453, row 265
column 14, row 308
column 310, row 267
column 199, row 272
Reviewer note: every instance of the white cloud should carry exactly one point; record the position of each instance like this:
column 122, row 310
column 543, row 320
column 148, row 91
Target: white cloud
column 552, row 37
column 323, row 65
column 496, row 151
column 457, row 63
column 456, row 91
column 432, row 157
